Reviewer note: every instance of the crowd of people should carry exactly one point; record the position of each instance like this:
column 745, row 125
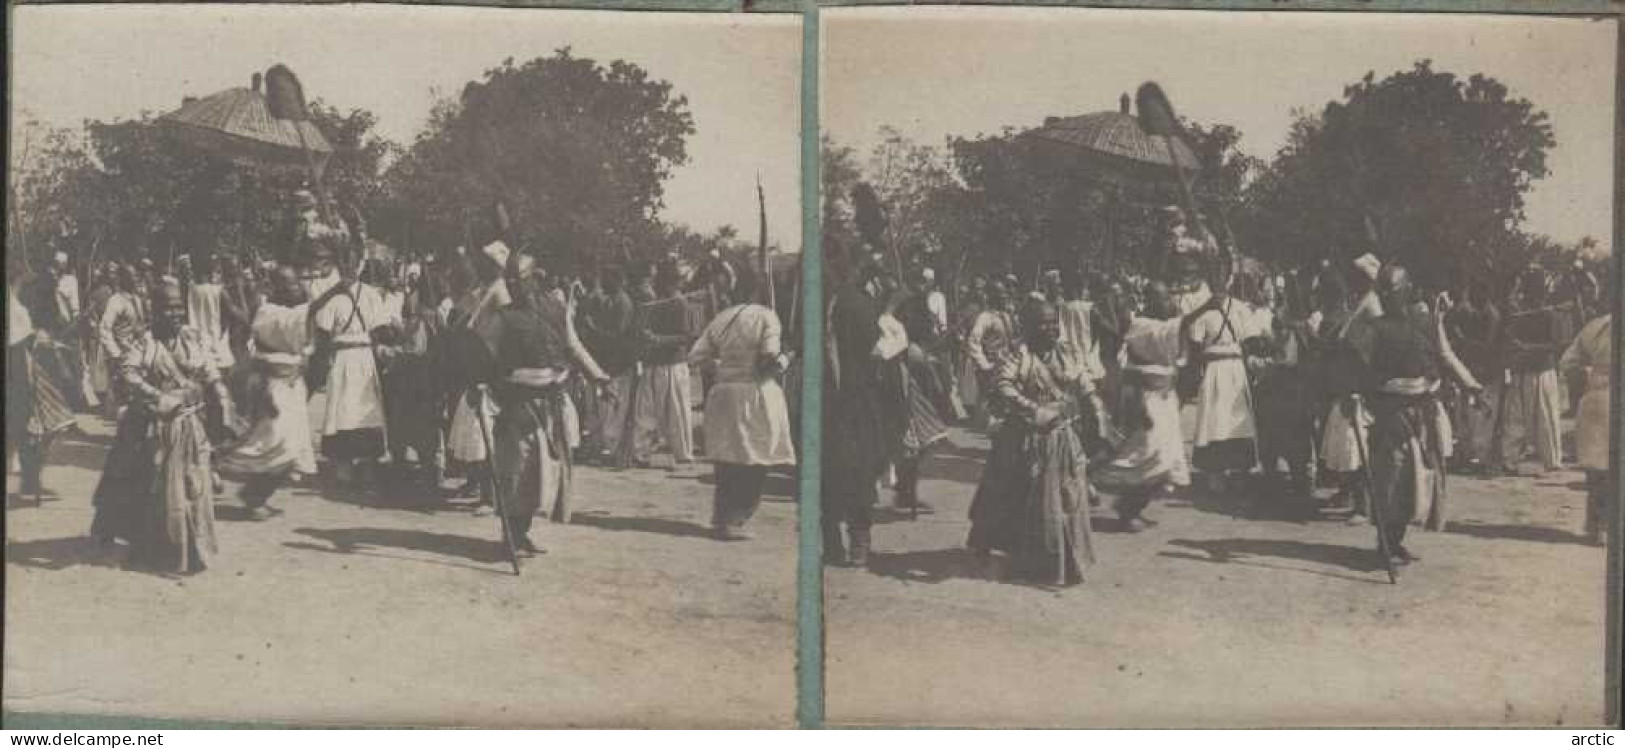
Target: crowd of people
column 1109, row 386
column 391, row 375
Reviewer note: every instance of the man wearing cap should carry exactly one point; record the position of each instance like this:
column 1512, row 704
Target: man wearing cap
column 1403, row 357
column 536, row 355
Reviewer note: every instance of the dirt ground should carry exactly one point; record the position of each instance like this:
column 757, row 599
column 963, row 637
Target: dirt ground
column 355, row 609
column 1229, row 613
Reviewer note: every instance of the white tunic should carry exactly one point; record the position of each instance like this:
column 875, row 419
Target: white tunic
column 280, row 443
column 1224, row 410
column 354, row 391
column 747, row 421
column 1592, row 351
column 203, row 312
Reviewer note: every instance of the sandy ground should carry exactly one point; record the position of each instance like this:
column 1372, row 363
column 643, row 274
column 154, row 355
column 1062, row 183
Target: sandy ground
column 359, row 609
column 1228, row 613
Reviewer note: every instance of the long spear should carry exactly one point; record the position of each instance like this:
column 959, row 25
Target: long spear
column 761, row 245
column 1156, row 115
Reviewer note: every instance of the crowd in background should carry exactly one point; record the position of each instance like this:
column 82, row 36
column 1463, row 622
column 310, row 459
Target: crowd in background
column 391, row 374
column 1260, row 383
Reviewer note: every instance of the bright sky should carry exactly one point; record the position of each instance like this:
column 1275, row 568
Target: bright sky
column 741, row 73
column 935, row 72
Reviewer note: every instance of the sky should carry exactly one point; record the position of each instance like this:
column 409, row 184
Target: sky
column 741, row 74
column 931, row 73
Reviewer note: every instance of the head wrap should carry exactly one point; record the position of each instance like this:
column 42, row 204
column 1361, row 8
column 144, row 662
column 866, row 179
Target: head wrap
column 61, row 258
column 1368, row 264
column 928, row 274
column 497, row 252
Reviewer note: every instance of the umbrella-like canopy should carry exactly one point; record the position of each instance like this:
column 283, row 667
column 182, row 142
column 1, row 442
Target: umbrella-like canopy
column 237, row 123
column 1114, row 145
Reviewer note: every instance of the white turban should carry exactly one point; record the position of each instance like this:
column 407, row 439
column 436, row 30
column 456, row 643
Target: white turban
column 1368, row 264
column 498, row 252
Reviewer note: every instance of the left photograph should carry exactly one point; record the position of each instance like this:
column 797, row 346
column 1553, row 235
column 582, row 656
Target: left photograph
column 402, row 366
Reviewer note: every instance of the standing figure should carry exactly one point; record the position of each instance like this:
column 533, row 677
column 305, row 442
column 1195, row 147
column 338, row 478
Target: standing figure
column 1474, row 328
column 95, row 357
column 912, row 401
column 156, row 490
column 991, row 338
column 747, row 422
column 40, row 384
column 1152, row 458
column 668, row 336
column 414, row 381
column 536, row 354
column 1405, row 356
column 1225, row 425
column 1033, row 499
column 124, row 322
column 470, row 345
column 1591, row 353
column 1339, row 452
column 609, row 328
column 855, row 449
column 353, row 424
column 1532, row 405
column 277, row 446
column 1290, row 400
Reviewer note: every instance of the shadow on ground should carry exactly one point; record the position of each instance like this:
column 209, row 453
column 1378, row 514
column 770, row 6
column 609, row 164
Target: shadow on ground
column 1244, row 551
column 369, row 541
column 1530, row 533
column 656, row 525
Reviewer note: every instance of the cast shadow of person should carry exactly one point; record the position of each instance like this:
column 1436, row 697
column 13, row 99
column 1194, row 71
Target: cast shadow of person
column 379, row 541
column 1244, row 551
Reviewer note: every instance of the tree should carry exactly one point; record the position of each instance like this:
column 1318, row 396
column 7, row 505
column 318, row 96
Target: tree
column 1422, row 167
column 576, row 151
column 839, row 177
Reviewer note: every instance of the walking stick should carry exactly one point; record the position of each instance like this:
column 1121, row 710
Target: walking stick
column 496, row 486
column 1373, row 502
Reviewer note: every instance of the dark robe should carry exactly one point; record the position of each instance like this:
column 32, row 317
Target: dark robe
column 854, row 445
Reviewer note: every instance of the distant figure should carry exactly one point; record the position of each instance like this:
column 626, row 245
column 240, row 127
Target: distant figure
column 667, row 391
column 40, row 383
column 1532, row 406
column 1591, row 354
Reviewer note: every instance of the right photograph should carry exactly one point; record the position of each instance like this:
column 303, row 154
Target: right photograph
column 1199, row 369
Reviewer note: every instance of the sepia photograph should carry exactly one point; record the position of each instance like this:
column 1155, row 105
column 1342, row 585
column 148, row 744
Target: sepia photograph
column 402, row 366
column 1216, row 369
